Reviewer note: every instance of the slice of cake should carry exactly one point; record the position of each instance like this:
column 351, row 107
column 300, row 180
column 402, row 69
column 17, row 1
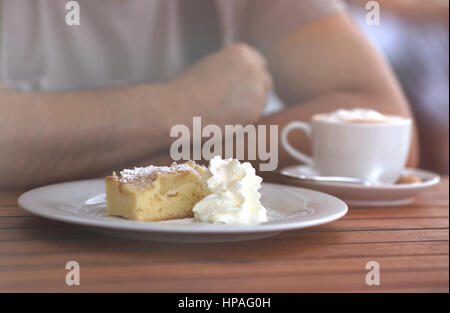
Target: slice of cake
column 155, row 193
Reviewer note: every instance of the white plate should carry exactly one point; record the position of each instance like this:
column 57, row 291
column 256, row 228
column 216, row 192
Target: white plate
column 360, row 195
column 83, row 202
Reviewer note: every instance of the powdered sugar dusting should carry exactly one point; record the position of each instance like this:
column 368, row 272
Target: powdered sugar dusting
column 148, row 174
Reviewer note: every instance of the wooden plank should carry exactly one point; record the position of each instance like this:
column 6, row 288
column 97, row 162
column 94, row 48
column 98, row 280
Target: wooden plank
column 388, row 236
column 281, row 264
column 22, row 222
column 9, row 197
column 43, row 233
column 12, row 210
column 431, row 201
column 140, row 278
column 217, row 252
column 396, row 212
column 62, row 231
column 386, row 223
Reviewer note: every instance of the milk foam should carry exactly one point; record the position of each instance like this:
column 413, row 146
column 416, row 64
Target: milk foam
column 358, row 116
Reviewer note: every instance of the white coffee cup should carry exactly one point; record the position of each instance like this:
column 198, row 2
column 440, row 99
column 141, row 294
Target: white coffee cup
column 374, row 151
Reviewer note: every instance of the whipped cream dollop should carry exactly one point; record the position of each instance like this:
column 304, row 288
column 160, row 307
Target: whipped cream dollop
column 367, row 115
column 232, row 194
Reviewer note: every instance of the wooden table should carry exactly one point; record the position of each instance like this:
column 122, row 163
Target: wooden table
column 410, row 243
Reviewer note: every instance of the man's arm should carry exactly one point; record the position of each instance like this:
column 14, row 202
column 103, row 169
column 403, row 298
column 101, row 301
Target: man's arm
column 48, row 137
column 53, row 136
column 326, row 65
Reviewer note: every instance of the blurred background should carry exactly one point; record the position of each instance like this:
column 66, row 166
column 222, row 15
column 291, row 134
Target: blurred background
column 414, row 37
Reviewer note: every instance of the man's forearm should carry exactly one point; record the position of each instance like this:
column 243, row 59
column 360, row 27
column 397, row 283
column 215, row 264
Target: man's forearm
column 67, row 135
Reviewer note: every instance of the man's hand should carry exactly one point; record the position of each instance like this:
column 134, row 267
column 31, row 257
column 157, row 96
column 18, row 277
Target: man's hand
column 229, row 86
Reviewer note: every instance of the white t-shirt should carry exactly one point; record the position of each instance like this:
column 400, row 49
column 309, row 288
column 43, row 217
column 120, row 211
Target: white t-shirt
column 125, row 42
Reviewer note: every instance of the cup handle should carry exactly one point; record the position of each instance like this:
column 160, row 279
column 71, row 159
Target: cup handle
column 291, row 150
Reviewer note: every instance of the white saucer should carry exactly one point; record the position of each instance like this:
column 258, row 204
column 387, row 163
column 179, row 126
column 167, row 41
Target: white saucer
column 360, row 195
column 83, row 202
